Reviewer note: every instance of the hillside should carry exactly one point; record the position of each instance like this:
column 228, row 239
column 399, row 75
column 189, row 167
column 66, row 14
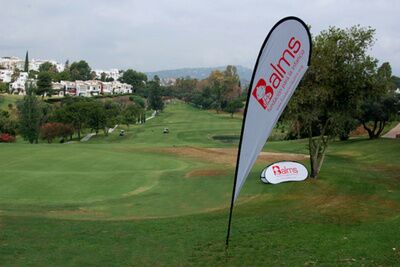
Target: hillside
column 201, row 73
column 154, row 199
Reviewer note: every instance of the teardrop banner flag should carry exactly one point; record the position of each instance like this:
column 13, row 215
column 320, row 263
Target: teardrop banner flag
column 283, row 59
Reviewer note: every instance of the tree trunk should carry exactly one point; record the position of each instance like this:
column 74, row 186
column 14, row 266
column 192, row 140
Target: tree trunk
column 376, row 131
column 317, row 149
column 381, row 127
column 370, row 132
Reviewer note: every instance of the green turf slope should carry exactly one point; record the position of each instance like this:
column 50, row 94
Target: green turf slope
column 132, row 201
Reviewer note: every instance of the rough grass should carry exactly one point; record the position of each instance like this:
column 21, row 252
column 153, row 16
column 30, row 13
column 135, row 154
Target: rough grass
column 6, row 99
column 152, row 199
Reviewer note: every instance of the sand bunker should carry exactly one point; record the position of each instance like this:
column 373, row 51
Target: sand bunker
column 227, row 155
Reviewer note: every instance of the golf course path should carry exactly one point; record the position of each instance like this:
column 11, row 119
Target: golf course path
column 393, row 132
column 87, row 137
column 152, row 116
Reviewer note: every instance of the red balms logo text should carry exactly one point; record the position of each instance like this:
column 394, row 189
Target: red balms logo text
column 264, row 91
column 284, row 171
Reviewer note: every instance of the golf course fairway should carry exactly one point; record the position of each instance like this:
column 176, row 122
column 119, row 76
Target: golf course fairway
column 149, row 198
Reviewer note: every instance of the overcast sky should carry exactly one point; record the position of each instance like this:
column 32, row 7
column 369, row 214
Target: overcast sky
column 150, row 35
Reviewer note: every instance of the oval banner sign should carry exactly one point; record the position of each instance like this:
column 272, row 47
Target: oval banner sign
column 284, row 171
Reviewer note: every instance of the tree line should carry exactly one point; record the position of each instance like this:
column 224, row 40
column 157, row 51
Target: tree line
column 343, row 88
column 35, row 119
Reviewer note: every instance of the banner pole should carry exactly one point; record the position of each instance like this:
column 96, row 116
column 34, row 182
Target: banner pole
column 238, row 160
column 289, row 49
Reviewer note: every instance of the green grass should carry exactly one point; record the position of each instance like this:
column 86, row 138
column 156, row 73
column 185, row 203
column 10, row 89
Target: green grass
column 6, row 99
column 132, row 201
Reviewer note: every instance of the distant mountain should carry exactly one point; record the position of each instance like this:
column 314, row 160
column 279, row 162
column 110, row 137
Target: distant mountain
column 200, row 73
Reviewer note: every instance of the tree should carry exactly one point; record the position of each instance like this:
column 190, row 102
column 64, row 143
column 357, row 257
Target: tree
column 8, row 125
column 26, row 65
column 49, row 131
column 48, row 67
column 396, row 81
column 47, row 111
column 96, row 116
column 32, row 74
column 131, row 114
column 15, row 75
column 379, row 102
column 103, row 77
column 137, row 100
column 234, row 106
column 184, row 88
column 66, row 65
column 330, row 92
column 377, row 112
column 63, row 76
column 74, row 111
column 44, row 84
column 92, row 75
column 136, row 79
column 112, row 112
column 80, row 71
column 224, row 87
column 219, row 89
column 29, row 116
column 3, row 87
column 155, row 99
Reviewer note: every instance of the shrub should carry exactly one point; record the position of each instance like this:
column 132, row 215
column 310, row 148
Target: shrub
column 51, row 130
column 7, row 138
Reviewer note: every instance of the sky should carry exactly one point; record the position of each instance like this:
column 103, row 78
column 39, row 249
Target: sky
column 149, row 35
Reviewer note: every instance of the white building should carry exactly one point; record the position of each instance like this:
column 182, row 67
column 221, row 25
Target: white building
column 18, row 87
column 5, row 75
column 82, row 88
column 69, row 87
column 107, row 88
column 10, row 63
column 58, row 89
column 94, row 87
column 34, row 64
column 112, row 73
column 121, row 88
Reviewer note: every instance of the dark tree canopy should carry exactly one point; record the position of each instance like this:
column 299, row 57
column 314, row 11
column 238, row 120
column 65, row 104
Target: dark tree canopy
column 44, row 83
column 80, row 71
column 136, row 79
column 29, row 116
column 155, row 98
column 26, row 65
column 331, row 91
column 48, row 67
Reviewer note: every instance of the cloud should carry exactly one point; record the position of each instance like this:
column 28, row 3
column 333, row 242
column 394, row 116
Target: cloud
column 153, row 35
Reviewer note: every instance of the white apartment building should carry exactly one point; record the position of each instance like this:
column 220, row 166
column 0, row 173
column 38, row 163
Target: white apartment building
column 112, row 73
column 12, row 63
column 5, row 75
column 121, row 88
column 69, row 87
column 94, row 87
column 9, row 63
column 18, row 87
column 58, row 89
column 82, row 88
column 107, row 88
column 34, row 64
